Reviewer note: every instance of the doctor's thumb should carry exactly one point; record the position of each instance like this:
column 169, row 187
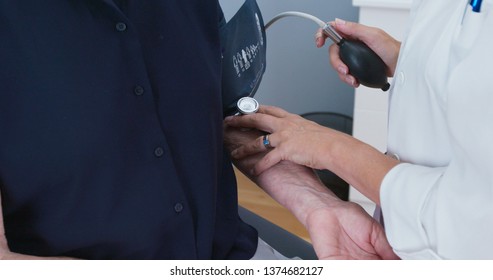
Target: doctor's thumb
column 353, row 30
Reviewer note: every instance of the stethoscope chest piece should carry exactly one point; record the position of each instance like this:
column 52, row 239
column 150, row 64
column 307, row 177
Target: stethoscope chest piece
column 247, row 105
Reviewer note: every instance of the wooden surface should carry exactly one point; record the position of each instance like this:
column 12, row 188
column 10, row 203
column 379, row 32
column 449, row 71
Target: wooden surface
column 256, row 200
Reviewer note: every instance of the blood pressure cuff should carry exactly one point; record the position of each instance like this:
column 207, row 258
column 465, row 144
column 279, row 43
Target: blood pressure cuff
column 244, row 55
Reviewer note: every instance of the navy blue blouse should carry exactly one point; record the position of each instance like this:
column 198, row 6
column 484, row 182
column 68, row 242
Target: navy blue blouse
column 111, row 131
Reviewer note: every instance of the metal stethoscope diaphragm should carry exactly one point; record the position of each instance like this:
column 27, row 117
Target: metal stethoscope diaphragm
column 247, row 105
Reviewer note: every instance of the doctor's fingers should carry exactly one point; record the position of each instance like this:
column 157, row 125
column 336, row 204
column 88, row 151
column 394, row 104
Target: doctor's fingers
column 261, row 144
column 355, row 31
column 335, row 60
column 375, row 38
column 320, row 38
column 273, row 111
column 270, row 159
column 349, row 79
column 340, row 67
column 260, row 121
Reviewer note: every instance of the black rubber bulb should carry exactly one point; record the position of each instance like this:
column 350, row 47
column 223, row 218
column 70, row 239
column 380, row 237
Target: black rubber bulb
column 364, row 64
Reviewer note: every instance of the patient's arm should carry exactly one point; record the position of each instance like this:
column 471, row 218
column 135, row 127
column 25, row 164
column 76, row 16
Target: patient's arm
column 338, row 229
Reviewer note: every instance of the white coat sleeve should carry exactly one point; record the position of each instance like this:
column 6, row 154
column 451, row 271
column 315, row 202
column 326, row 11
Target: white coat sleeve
column 444, row 212
column 405, row 193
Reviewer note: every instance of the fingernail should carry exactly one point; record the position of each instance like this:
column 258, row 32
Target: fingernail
column 350, row 80
column 234, row 153
column 228, row 119
column 342, row 70
column 340, row 21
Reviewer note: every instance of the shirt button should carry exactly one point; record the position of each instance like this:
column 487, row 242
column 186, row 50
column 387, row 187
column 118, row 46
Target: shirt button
column 394, row 156
column 178, row 207
column 401, row 78
column 159, row 152
column 138, row 90
column 121, row 26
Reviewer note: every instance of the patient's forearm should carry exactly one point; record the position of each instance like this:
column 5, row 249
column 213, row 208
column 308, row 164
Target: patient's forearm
column 295, row 187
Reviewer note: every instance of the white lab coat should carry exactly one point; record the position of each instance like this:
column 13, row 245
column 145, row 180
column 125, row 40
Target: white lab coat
column 438, row 203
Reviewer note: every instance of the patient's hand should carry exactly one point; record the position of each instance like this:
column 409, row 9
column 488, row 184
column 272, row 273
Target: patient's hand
column 338, row 229
column 343, row 230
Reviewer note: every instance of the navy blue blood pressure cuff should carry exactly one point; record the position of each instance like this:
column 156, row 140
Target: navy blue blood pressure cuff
column 244, row 55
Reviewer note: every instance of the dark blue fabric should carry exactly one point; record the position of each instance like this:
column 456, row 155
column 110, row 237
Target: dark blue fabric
column 111, row 131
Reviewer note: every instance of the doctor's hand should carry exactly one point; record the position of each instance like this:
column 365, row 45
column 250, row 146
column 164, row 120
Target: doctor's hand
column 338, row 229
column 378, row 40
column 291, row 138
